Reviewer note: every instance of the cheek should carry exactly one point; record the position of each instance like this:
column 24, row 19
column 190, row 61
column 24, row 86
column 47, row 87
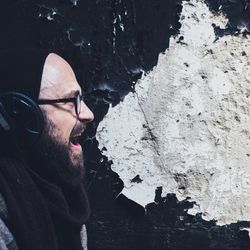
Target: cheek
column 63, row 124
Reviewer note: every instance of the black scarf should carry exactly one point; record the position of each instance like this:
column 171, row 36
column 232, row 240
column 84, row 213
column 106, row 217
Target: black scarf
column 28, row 219
column 41, row 215
column 69, row 210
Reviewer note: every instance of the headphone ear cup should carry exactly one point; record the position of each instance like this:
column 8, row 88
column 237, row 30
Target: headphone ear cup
column 25, row 117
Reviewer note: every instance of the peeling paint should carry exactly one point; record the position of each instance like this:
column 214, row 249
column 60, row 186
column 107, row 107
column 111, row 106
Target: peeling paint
column 195, row 109
column 194, row 146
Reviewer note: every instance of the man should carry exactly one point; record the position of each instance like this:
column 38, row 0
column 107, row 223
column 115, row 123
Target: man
column 43, row 204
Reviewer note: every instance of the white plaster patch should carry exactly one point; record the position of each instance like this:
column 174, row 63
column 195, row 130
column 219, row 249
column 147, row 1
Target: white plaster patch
column 187, row 126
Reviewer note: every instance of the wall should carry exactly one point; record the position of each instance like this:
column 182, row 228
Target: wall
column 184, row 129
column 186, row 125
column 168, row 83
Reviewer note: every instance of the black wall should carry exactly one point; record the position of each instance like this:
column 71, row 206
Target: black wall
column 111, row 42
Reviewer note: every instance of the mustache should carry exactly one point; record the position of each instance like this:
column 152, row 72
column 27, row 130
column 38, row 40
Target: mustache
column 78, row 129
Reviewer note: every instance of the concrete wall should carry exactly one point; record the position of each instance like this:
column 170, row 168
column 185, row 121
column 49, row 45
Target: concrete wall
column 186, row 125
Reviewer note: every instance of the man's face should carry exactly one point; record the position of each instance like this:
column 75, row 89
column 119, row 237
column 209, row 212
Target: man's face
column 62, row 124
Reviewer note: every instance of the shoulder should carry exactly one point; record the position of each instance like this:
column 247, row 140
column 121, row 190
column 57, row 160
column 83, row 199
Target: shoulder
column 7, row 241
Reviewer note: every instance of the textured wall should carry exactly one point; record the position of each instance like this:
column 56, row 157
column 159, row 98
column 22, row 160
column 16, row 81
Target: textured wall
column 182, row 125
column 186, row 125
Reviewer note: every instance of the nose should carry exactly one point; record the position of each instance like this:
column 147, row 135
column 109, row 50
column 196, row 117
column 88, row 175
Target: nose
column 86, row 114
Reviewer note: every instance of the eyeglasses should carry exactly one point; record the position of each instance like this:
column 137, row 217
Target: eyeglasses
column 77, row 100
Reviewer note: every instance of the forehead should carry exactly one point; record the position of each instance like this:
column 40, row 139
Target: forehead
column 58, row 78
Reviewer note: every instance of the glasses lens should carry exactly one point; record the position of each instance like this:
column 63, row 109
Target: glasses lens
column 78, row 104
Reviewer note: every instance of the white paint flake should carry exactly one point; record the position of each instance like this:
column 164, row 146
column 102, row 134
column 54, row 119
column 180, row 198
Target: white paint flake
column 187, row 126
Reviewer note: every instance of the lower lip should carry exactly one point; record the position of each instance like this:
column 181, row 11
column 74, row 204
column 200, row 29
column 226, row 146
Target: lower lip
column 77, row 147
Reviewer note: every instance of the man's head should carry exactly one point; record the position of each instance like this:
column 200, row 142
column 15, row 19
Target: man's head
column 46, row 76
column 58, row 146
column 59, row 81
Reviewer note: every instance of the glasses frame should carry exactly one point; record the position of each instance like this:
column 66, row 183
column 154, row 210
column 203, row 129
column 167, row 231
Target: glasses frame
column 65, row 100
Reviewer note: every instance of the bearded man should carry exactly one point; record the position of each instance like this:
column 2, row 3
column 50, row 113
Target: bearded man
column 43, row 204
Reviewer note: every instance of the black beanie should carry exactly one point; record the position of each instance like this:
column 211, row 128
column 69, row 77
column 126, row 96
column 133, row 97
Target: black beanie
column 21, row 71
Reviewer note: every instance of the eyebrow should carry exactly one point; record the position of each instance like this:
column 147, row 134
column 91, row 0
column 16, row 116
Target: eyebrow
column 72, row 93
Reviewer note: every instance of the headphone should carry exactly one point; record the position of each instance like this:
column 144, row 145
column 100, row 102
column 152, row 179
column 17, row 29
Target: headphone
column 21, row 119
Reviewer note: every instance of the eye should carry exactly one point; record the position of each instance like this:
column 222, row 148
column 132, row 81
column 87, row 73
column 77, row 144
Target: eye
column 71, row 105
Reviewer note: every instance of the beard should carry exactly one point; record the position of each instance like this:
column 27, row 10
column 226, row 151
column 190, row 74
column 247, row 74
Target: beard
column 52, row 159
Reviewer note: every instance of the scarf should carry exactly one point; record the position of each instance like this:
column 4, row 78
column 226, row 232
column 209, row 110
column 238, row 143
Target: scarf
column 42, row 216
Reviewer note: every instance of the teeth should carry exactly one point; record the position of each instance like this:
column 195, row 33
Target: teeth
column 75, row 138
column 79, row 134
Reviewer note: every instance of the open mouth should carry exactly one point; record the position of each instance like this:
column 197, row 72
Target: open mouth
column 75, row 139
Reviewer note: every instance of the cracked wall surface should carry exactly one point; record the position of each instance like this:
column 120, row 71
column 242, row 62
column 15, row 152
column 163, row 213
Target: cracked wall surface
column 186, row 125
column 179, row 122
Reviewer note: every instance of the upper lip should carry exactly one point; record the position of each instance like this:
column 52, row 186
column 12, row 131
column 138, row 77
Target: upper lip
column 78, row 131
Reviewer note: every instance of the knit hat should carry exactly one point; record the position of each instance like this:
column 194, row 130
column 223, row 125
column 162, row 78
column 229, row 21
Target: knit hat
column 21, row 71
